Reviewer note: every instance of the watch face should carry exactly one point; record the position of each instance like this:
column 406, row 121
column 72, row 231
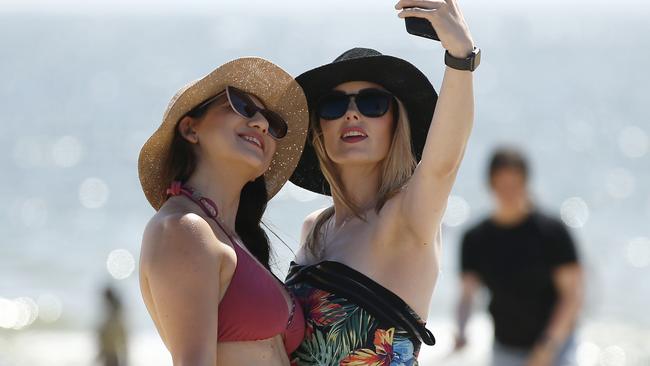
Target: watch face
column 477, row 59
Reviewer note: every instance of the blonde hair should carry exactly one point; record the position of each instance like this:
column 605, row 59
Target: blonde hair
column 397, row 168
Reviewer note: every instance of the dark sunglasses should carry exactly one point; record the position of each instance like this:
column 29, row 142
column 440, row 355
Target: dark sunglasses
column 370, row 102
column 242, row 104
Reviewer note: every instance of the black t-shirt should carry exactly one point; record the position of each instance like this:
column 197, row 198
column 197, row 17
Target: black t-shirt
column 516, row 264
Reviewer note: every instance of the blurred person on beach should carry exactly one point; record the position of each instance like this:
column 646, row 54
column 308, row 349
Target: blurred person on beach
column 112, row 333
column 228, row 142
column 528, row 263
column 367, row 265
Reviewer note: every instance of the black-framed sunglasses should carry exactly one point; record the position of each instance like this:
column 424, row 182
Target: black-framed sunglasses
column 370, row 102
column 242, row 104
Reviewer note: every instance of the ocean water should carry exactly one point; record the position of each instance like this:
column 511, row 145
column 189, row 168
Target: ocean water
column 80, row 93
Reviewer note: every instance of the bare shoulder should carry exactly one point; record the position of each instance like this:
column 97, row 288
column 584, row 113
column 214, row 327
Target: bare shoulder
column 178, row 238
column 303, row 256
column 310, row 221
column 182, row 282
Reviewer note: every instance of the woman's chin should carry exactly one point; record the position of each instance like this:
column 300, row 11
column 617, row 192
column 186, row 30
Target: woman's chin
column 355, row 158
column 256, row 165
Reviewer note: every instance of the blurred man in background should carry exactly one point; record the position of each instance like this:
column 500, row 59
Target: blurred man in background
column 112, row 332
column 528, row 263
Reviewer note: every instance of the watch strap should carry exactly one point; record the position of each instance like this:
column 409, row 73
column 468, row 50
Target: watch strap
column 470, row 63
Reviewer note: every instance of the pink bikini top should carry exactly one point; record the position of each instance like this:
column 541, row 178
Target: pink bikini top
column 253, row 307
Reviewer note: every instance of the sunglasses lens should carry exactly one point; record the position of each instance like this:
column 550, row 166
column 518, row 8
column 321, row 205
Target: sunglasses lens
column 277, row 126
column 333, row 106
column 241, row 103
column 373, row 103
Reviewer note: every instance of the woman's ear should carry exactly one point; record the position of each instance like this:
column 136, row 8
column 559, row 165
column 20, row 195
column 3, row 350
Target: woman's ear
column 187, row 129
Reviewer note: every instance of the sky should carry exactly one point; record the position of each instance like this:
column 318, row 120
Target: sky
column 293, row 7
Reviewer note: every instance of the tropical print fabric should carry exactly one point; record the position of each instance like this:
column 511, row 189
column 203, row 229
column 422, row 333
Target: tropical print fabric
column 343, row 332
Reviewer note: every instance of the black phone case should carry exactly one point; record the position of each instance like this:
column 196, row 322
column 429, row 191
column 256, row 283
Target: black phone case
column 421, row 27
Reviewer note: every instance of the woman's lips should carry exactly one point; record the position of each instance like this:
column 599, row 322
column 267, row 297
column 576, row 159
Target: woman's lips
column 253, row 139
column 353, row 135
column 353, row 139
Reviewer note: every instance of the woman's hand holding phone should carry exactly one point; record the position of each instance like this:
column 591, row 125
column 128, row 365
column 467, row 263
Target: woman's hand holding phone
column 447, row 20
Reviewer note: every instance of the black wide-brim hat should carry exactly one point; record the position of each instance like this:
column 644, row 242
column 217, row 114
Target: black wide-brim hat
column 398, row 76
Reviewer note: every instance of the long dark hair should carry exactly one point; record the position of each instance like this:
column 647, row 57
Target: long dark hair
column 181, row 164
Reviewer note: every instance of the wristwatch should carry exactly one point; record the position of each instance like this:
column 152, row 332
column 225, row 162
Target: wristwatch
column 470, row 63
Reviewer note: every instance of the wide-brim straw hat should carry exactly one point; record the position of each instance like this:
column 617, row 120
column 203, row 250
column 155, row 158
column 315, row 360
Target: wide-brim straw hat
column 271, row 84
column 398, row 76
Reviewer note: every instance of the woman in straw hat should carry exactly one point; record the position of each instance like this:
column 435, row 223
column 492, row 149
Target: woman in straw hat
column 367, row 266
column 226, row 145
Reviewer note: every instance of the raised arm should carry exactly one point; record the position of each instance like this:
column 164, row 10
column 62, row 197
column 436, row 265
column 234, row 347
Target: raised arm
column 182, row 271
column 424, row 199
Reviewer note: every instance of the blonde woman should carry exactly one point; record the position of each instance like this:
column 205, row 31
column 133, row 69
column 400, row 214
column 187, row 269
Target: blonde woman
column 367, row 266
column 227, row 144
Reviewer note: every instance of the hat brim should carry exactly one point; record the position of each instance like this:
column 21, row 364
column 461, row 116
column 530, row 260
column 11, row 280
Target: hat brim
column 271, row 84
column 398, row 76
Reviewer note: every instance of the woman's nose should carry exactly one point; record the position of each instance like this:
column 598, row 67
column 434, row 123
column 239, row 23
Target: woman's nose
column 352, row 113
column 259, row 121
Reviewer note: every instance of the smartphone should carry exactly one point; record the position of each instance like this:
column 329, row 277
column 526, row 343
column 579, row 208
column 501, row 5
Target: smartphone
column 421, row 27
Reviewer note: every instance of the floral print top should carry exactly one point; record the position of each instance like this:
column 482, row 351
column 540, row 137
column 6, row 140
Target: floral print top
column 352, row 320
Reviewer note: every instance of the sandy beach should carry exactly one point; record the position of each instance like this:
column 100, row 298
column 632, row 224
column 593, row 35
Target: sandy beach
column 599, row 344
